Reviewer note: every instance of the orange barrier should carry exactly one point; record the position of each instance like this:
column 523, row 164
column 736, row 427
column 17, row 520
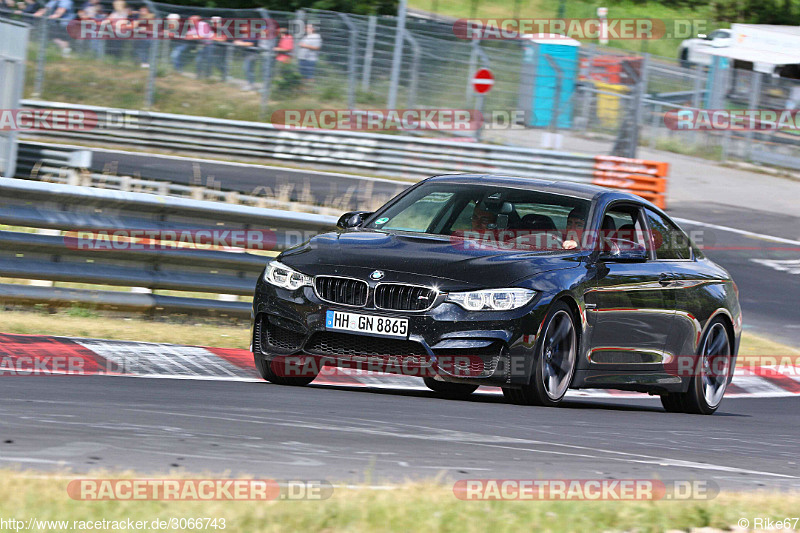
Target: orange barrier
column 642, row 177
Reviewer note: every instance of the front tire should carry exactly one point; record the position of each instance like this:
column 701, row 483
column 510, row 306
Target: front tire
column 267, row 372
column 450, row 390
column 556, row 356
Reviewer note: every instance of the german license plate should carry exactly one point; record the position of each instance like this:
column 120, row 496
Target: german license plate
column 375, row 325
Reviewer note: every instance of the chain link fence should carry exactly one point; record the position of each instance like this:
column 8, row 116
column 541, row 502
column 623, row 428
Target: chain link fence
column 614, row 96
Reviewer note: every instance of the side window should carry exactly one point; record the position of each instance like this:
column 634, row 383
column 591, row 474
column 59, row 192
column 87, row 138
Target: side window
column 669, row 241
column 622, row 223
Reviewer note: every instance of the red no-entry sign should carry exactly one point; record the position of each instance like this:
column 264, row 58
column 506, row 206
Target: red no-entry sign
column 483, row 81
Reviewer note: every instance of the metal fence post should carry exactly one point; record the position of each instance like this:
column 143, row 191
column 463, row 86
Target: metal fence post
column 473, row 66
column 656, row 114
column 266, row 71
column 366, row 71
column 351, row 60
column 150, row 88
column 299, row 31
column 641, row 90
column 38, row 81
column 755, row 92
column 412, row 88
column 397, row 55
column 587, row 93
column 226, row 68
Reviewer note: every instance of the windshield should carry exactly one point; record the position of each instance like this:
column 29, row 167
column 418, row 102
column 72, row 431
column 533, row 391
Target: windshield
column 484, row 211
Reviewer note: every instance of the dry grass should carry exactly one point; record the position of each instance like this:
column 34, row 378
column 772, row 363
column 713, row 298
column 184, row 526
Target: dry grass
column 419, row 506
column 71, row 323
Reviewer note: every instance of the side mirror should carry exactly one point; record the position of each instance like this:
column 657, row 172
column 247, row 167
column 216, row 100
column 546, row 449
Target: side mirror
column 703, row 36
column 623, row 251
column 353, row 219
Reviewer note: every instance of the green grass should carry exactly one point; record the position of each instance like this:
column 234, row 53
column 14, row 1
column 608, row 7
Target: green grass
column 418, row 506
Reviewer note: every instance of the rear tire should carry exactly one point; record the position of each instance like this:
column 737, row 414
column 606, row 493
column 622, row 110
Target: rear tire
column 556, row 357
column 710, row 376
column 672, row 403
column 451, row 390
column 266, row 371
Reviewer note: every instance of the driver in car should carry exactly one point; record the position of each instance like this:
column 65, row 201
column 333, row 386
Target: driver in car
column 483, row 219
column 576, row 223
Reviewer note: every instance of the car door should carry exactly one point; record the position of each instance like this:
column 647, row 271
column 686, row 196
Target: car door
column 673, row 250
column 630, row 305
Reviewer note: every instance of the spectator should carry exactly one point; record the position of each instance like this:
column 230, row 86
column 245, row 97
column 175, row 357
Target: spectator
column 143, row 18
column 251, row 50
column 200, row 32
column 213, row 49
column 28, row 7
column 60, row 12
column 120, row 19
column 285, row 46
column 91, row 10
column 308, row 54
column 177, row 53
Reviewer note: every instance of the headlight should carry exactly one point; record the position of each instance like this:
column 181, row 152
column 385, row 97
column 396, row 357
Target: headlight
column 282, row 276
column 492, row 299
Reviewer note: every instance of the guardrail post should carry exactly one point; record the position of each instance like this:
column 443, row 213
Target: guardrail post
column 366, row 70
column 38, row 81
column 351, row 60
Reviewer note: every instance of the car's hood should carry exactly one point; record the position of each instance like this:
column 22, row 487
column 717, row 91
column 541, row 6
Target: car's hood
column 420, row 258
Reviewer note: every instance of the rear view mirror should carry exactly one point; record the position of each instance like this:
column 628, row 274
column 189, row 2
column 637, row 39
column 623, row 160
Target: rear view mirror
column 353, row 219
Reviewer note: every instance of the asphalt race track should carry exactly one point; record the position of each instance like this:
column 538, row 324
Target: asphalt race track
column 343, row 433
column 352, row 434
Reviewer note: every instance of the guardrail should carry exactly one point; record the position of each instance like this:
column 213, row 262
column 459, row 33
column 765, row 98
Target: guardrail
column 64, row 208
column 396, row 155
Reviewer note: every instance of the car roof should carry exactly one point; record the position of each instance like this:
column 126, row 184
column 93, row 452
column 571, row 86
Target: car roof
column 579, row 190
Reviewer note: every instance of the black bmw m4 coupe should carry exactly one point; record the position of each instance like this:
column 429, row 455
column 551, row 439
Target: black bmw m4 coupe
column 533, row 286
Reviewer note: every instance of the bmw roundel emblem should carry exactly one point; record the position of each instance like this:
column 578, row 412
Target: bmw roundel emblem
column 378, row 274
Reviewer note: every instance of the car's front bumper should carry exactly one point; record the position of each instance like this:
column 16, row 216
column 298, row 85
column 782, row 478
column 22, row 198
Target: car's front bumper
column 488, row 347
